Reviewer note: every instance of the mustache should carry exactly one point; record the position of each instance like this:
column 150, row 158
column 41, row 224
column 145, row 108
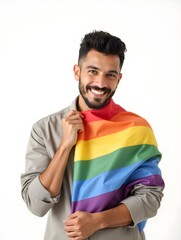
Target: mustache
column 104, row 89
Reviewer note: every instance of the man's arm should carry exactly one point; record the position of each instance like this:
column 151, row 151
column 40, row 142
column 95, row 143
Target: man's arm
column 52, row 177
column 81, row 225
column 142, row 205
column 40, row 188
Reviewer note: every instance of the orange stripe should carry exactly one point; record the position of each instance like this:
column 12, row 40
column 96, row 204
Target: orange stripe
column 119, row 122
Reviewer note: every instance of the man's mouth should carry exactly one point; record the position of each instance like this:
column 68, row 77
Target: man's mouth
column 98, row 91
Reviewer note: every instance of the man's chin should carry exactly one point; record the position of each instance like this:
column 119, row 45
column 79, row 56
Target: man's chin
column 95, row 104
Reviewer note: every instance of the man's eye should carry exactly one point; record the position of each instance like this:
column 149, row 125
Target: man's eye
column 111, row 75
column 92, row 71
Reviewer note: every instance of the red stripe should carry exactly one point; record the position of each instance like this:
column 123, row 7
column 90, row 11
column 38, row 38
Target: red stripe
column 107, row 112
column 119, row 122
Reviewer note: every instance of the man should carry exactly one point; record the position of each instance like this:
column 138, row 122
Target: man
column 94, row 166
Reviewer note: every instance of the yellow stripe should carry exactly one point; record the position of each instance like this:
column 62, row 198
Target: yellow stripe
column 87, row 150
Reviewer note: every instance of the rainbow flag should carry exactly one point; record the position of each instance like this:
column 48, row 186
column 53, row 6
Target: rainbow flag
column 116, row 150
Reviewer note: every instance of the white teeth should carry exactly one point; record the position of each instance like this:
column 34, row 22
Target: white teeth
column 97, row 92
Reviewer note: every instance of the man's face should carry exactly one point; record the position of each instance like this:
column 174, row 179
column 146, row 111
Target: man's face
column 98, row 77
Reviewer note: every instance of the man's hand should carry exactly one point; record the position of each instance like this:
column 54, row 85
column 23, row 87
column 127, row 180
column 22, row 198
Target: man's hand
column 80, row 225
column 53, row 175
column 71, row 125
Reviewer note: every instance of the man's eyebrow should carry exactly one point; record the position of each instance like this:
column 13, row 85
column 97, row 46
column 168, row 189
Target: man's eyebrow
column 93, row 67
column 114, row 71
column 96, row 68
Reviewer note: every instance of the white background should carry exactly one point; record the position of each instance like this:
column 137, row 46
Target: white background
column 39, row 42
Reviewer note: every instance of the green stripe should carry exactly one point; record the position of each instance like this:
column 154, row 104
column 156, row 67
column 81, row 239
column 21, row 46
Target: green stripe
column 120, row 158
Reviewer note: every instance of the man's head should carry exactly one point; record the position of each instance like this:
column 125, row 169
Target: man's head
column 101, row 57
column 102, row 42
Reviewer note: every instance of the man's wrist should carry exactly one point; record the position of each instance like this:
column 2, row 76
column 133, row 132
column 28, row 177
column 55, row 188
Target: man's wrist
column 115, row 217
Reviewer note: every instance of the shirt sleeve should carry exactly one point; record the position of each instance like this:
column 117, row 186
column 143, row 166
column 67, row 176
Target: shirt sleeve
column 36, row 197
column 144, row 202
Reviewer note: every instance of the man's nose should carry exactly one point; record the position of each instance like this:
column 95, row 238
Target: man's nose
column 101, row 81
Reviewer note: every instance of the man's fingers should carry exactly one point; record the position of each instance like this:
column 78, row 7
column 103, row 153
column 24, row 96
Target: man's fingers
column 74, row 118
column 74, row 113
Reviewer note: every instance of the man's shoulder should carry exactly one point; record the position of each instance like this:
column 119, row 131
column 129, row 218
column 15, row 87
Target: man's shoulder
column 56, row 117
column 53, row 116
column 133, row 116
column 138, row 118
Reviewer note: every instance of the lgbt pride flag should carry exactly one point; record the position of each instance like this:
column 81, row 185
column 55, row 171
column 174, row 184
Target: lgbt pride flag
column 116, row 150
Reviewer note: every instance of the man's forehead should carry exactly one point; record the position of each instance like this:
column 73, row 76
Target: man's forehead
column 101, row 61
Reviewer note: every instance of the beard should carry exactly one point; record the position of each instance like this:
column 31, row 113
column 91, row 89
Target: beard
column 96, row 103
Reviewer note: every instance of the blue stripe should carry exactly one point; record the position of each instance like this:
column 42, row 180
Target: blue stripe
column 112, row 180
column 141, row 225
column 150, row 166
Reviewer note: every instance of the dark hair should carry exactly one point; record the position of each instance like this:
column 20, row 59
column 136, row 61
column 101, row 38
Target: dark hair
column 102, row 42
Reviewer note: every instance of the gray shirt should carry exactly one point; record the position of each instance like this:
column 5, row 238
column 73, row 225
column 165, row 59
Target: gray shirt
column 45, row 138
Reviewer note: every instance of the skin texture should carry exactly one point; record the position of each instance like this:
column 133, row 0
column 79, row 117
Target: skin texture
column 98, row 76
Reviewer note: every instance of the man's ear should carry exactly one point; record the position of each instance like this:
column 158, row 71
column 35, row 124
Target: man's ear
column 120, row 76
column 76, row 72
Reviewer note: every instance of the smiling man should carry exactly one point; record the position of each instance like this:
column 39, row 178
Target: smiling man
column 93, row 166
column 98, row 75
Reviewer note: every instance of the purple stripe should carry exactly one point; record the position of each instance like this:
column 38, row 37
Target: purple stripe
column 112, row 199
column 99, row 203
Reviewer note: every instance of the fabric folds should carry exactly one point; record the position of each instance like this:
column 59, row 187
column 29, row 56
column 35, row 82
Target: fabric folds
column 116, row 150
